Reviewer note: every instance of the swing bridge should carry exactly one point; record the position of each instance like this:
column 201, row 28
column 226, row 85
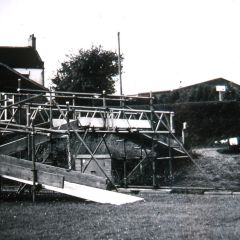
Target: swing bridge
column 99, row 135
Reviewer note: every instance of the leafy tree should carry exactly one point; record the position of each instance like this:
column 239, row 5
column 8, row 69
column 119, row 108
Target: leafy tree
column 90, row 70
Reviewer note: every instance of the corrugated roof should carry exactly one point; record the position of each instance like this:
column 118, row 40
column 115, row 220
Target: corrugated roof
column 21, row 57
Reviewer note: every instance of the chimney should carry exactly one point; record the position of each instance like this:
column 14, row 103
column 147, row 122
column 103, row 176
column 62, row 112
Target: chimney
column 32, row 41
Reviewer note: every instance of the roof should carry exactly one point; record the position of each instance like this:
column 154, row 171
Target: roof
column 9, row 80
column 216, row 81
column 213, row 82
column 155, row 92
column 21, row 57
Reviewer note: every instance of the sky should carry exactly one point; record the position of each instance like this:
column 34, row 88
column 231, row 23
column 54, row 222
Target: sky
column 165, row 43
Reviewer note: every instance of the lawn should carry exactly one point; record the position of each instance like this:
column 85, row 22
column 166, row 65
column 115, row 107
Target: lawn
column 160, row 216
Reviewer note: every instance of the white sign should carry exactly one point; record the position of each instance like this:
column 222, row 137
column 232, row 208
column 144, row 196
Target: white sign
column 220, row 88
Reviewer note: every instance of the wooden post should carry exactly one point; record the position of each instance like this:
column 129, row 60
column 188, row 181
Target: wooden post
column 220, row 96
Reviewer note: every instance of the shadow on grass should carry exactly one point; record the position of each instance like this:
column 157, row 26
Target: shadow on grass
column 41, row 197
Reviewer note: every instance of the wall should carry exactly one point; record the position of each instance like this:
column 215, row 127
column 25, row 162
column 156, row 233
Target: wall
column 36, row 75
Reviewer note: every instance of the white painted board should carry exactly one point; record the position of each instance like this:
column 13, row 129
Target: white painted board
column 95, row 194
column 114, row 123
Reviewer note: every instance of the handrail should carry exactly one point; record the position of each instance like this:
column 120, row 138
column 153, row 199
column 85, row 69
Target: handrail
column 85, row 94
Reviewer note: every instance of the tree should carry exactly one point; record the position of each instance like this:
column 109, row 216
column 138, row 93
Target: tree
column 90, row 71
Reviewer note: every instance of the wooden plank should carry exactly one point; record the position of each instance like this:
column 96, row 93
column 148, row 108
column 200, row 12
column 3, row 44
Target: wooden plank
column 15, row 161
column 16, row 171
column 27, row 175
column 72, row 176
column 52, row 179
column 95, row 194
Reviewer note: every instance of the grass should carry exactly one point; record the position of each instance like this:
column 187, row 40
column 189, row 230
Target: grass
column 219, row 170
column 160, row 216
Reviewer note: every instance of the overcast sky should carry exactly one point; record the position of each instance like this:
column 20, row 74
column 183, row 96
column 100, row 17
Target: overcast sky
column 164, row 42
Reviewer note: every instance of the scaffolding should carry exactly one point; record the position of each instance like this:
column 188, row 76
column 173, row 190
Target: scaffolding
column 31, row 118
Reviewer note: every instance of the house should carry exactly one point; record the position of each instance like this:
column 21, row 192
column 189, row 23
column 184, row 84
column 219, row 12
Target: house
column 204, row 91
column 20, row 68
column 24, row 61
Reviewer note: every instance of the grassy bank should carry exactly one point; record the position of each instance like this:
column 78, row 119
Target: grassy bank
column 218, row 170
column 171, row 216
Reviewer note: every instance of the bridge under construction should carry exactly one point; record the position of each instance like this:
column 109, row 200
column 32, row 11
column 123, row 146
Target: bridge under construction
column 83, row 144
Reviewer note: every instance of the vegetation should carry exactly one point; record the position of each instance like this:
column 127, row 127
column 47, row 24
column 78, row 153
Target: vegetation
column 160, row 216
column 208, row 121
column 91, row 70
